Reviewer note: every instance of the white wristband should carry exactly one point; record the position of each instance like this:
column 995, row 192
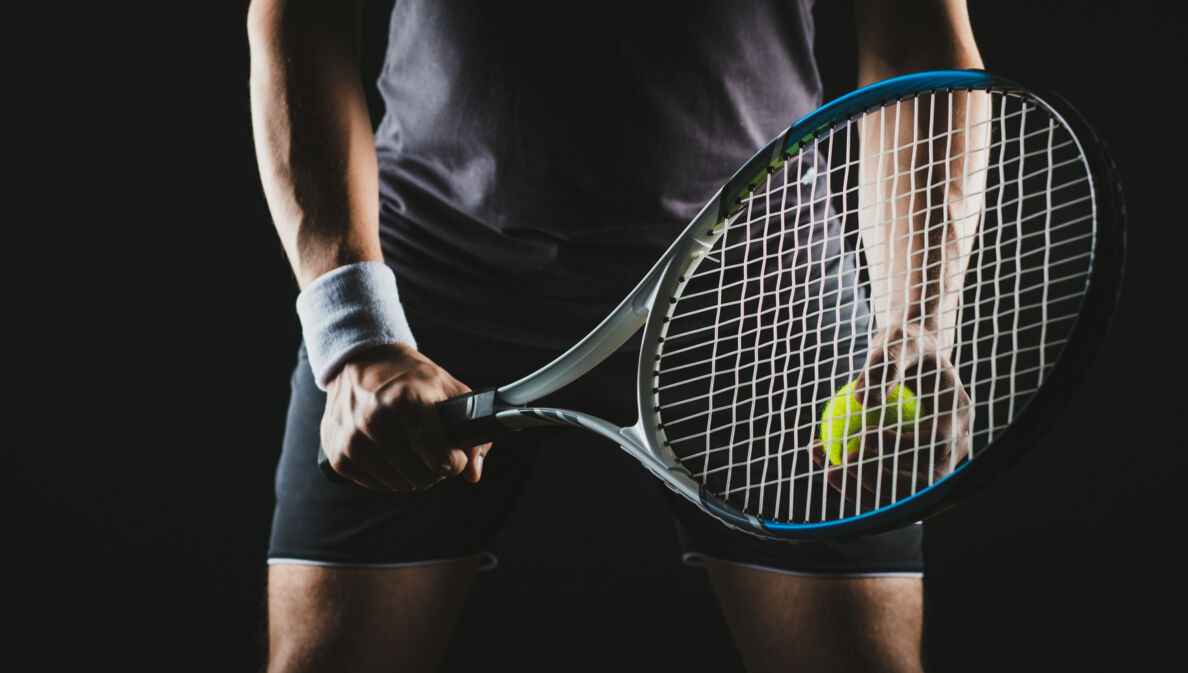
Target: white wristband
column 347, row 310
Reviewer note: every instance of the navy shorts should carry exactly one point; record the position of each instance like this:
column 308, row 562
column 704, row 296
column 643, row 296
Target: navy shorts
column 323, row 523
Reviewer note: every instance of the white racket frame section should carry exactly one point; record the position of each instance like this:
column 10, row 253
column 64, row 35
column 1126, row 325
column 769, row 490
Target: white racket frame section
column 645, row 438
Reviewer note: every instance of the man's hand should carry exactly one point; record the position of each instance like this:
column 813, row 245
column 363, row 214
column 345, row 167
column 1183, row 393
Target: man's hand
column 886, row 463
column 381, row 427
column 918, row 216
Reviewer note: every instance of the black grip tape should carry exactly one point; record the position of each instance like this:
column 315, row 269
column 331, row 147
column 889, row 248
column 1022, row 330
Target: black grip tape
column 469, row 419
column 328, row 469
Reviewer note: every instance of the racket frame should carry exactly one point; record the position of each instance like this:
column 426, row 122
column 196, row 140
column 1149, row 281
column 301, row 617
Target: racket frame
column 485, row 414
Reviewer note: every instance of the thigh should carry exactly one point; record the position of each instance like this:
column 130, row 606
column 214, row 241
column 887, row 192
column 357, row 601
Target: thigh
column 786, row 622
column 361, row 580
column 363, row 619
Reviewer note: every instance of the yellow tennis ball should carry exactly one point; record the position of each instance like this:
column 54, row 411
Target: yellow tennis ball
column 844, row 418
column 841, row 424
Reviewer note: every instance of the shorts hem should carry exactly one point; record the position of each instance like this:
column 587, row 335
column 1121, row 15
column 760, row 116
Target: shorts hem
column 697, row 560
column 489, row 561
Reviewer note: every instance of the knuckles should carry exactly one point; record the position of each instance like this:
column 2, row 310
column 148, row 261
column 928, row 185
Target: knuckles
column 393, row 409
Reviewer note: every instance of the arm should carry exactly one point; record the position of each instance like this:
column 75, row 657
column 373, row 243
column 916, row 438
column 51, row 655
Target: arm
column 919, row 205
column 917, row 228
column 317, row 161
column 313, row 134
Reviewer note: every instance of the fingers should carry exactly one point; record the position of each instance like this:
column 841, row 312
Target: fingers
column 381, row 427
column 889, row 467
column 870, row 478
column 943, row 407
column 898, row 355
column 379, row 465
column 474, row 466
column 882, row 369
column 406, row 439
column 945, row 417
column 845, row 479
column 903, row 458
column 408, row 433
column 359, row 465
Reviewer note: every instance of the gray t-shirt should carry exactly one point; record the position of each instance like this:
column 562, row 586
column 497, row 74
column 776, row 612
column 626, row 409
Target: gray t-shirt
column 536, row 158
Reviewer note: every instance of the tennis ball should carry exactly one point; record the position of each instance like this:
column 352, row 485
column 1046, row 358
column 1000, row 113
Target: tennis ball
column 844, row 418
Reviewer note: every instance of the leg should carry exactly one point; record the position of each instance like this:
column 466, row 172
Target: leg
column 364, row 619
column 784, row 622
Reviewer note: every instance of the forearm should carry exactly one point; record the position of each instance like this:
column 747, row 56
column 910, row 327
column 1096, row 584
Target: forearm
column 313, row 134
column 922, row 166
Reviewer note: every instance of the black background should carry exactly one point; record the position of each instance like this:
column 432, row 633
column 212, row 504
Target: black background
column 149, row 333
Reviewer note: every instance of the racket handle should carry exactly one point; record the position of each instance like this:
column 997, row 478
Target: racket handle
column 469, row 419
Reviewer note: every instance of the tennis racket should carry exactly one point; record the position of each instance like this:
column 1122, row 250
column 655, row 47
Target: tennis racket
column 781, row 290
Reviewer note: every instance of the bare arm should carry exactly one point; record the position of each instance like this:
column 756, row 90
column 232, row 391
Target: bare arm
column 317, row 162
column 921, row 172
column 313, row 134
column 919, row 204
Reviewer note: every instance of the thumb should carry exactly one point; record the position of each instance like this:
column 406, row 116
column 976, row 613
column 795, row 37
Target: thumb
column 474, row 465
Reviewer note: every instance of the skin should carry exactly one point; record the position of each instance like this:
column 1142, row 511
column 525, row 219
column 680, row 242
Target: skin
column 318, row 168
column 364, row 619
column 317, row 161
column 917, row 231
column 785, row 624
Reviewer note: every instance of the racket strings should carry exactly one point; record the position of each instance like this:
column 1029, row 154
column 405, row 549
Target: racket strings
column 852, row 165
column 783, row 308
column 1076, row 259
column 890, row 242
column 907, row 216
column 1041, row 304
column 1023, row 350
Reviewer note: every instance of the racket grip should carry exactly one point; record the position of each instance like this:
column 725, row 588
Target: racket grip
column 469, row 419
column 328, row 470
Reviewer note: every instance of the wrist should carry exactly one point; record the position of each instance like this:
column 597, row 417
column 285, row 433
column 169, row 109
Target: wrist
column 349, row 310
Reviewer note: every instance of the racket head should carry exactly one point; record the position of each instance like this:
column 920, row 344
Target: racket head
column 793, row 502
